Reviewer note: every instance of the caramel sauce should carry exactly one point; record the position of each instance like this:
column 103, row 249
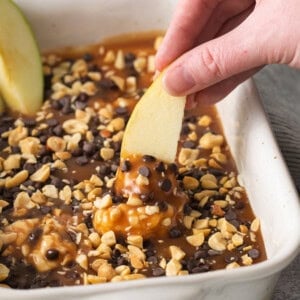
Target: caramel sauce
column 159, row 215
column 155, row 202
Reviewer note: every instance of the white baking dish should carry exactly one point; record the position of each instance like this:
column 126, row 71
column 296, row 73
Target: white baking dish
column 273, row 197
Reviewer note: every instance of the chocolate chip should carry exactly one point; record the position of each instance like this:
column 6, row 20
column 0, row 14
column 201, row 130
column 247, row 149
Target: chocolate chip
column 64, row 100
column 158, row 271
column 149, row 158
column 52, row 254
column 185, row 129
column 189, row 264
column 38, row 185
column 200, row 269
column 88, row 57
column 235, row 223
column 239, row 205
column 122, row 261
column 51, row 122
column 43, row 139
column 82, row 160
column 89, row 148
column 98, row 141
column 125, row 166
column 7, row 119
column 89, row 221
column 57, row 182
column 197, row 173
column 84, row 79
column 80, row 105
column 175, row 232
column 189, row 144
column 55, row 283
column 121, row 110
column 94, row 68
column 147, row 198
column 173, row 168
column 72, row 275
column 104, row 170
column 254, row 253
column 162, row 205
column 116, row 146
column 28, row 183
column 29, row 167
column 15, row 150
column 116, row 253
column 200, row 254
column 229, row 258
column 3, row 143
column 77, row 152
column 160, row 167
column 129, row 57
column 96, row 156
column 117, row 199
column 107, row 84
column 47, row 81
column 43, row 152
column 187, row 209
column 58, row 130
column 73, row 181
column 46, row 159
column 152, row 259
column 29, row 122
column 216, row 172
column 131, row 71
column 212, row 252
column 230, row 215
column 56, row 104
column 165, row 185
column 67, row 109
column 114, row 168
column 45, row 209
column 34, row 235
column 82, row 97
column 144, row 171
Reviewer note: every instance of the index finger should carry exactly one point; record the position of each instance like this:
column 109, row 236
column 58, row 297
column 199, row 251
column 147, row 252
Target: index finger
column 188, row 21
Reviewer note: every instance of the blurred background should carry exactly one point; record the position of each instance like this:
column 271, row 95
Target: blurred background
column 279, row 88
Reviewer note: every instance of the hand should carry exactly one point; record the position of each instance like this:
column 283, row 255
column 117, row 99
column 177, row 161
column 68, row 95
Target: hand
column 214, row 45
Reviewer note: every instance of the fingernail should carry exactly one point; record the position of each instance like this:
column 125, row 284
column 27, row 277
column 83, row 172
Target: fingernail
column 156, row 74
column 178, row 81
column 191, row 102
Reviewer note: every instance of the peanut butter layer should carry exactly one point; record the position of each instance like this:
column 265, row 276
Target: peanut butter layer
column 152, row 200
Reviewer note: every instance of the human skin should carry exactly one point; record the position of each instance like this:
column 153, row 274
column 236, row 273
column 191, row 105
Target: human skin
column 211, row 46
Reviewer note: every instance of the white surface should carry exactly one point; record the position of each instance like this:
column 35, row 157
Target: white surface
column 273, row 197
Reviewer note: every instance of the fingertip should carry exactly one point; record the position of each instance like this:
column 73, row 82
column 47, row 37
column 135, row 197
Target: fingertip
column 161, row 61
column 158, row 63
column 178, row 81
column 156, row 74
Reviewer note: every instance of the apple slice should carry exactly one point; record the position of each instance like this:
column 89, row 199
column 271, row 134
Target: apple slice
column 155, row 124
column 21, row 76
column 2, row 105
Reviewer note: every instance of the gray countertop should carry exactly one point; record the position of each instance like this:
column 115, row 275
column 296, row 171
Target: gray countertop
column 279, row 88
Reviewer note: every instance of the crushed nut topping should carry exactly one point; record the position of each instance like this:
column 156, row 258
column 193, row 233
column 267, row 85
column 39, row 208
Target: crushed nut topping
column 66, row 220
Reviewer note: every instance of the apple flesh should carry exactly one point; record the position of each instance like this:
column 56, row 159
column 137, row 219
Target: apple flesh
column 21, row 76
column 2, row 105
column 155, row 124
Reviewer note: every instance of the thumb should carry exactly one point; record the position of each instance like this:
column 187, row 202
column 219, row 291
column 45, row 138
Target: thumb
column 237, row 51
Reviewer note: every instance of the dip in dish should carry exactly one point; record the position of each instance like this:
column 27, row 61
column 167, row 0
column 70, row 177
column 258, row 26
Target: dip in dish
column 64, row 219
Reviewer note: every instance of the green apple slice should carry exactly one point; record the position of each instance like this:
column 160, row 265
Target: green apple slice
column 155, row 124
column 21, row 76
column 2, row 105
